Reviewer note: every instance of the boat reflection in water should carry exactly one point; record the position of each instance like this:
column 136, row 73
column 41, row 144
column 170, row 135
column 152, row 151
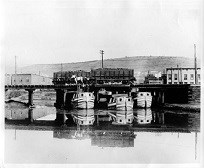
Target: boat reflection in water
column 144, row 116
column 122, row 117
column 84, row 117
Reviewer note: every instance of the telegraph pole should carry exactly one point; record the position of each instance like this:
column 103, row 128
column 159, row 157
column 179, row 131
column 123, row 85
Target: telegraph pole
column 61, row 70
column 102, row 52
column 15, row 70
column 195, row 62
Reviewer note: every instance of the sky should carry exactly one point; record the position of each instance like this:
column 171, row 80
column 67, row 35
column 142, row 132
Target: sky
column 64, row 31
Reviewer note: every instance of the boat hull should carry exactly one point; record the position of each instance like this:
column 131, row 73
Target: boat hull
column 124, row 106
column 144, row 100
column 83, row 101
column 121, row 103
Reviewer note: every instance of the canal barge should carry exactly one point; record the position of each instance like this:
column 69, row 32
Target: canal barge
column 83, row 100
column 121, row 102
column 143, row 99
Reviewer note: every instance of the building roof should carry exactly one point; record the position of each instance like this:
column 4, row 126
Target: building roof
column 179, row 68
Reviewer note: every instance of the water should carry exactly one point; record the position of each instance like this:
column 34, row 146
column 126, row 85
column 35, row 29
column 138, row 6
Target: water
column 49, row 135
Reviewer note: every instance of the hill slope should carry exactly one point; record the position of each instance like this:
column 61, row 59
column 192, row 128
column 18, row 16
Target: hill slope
column 140, row 64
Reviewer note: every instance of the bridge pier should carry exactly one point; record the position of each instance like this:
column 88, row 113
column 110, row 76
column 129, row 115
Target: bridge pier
column 59, row 98
column 30, row 115
column 162, row 101
column 63, row 98
column 30, row 97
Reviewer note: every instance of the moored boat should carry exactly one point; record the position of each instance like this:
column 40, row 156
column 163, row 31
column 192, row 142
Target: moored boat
column 83, row 100
column 121, row 102
column 143, row 99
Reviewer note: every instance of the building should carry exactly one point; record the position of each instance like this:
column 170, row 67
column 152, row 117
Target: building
column 7, row 79
column 151, row 79
column 182, row 75
column 29, row 79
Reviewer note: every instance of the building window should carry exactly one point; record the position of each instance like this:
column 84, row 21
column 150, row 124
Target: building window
column 169, row 76
column 185, row 83
column 192, row 76
column 175, row 82
column 185, row 77
column 191, row 82
column 198, row 76
column 27, row 80
column 169, row 82
column 175, row 76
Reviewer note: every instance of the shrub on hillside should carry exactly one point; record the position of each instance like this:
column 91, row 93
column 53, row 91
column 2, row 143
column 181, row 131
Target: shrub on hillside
column 14, row 93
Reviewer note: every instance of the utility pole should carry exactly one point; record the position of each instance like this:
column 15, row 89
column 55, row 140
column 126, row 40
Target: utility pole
column 61, row 70
column 15, row 70
column 195, row 62
column 102, row 52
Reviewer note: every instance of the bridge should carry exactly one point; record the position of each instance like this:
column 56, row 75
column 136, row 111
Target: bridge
column 74, row 86
column 161, row 92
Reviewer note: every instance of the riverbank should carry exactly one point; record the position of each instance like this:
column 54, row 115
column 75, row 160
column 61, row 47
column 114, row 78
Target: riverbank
column 40, row 98
column 183, row 107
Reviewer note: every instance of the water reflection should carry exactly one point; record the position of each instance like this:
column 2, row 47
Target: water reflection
column 83, row 117
column 134, row 130
column 137, row 118
column 100, row 138
column 78, row 134
column 122, row 117
column 144, row 116
column 113, row 139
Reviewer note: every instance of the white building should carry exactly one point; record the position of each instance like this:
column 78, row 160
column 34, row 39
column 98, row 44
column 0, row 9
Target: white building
column 182, row 75
column 27, row 79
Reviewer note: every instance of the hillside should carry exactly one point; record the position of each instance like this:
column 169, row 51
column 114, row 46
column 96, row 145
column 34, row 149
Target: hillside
column 140, row 64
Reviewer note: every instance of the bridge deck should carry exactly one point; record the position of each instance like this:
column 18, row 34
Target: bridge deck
column 74, row 86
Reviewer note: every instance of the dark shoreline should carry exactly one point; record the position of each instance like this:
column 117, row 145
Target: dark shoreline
column 182, row 107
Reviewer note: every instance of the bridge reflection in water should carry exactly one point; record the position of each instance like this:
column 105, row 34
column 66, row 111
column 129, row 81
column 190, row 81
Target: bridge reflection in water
column 133, row 119
column 104, row 128
column 97, row 124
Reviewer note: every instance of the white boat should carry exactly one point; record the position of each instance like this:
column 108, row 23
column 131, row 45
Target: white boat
column 143, row 99
column 83, row 100
column 84, row 117
column 122, row 117
column 144, row 116
column 121, row 102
